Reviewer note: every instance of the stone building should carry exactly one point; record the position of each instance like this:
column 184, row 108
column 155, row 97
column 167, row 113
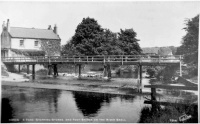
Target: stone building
column 28, row 42
column 18, row 41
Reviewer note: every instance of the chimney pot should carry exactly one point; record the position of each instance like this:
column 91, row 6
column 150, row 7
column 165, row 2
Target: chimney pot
column 55, row 29
column 8, row 25
column 49, row 28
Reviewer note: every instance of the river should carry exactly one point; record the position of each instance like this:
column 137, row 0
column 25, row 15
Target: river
column 45, row 105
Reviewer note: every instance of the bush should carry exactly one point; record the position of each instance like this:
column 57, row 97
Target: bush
column 42, row 72
column 151, row 72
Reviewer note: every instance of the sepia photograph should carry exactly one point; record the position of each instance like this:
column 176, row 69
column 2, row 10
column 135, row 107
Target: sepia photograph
column 99, row 61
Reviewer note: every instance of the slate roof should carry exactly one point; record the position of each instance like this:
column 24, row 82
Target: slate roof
column 32, row 33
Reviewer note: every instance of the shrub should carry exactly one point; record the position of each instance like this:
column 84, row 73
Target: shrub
column 42, row 72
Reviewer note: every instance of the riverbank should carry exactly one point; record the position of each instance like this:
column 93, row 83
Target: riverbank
column 70, row 82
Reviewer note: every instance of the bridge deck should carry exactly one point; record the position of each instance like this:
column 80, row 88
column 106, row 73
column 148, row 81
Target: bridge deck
column 121, row 60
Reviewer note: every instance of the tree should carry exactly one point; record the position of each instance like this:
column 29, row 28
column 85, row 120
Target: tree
column 109, row 43
column 84, row 38
column 69, row 49
column 189, row 47
column 91, row 39
column 151, row 72
column 128, row 42
column 164, row 51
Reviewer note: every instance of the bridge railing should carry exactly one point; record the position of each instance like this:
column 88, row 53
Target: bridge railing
column 99, row 58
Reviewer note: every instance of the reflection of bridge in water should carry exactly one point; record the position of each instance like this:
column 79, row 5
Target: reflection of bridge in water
column 107, row 61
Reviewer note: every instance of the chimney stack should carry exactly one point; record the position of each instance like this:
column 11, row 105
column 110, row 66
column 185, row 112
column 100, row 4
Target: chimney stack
column 8, row 25
column 55, row 29
column 49, row 28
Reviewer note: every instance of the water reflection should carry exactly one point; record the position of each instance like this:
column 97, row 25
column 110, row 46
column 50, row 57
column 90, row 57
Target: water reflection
column 125, row 75
column 51, row 96
column 30, row 103
column 6, row 110
column 90, row 103
column 168, row 114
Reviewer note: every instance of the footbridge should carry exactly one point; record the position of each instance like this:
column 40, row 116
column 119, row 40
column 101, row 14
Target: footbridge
column 52, row 61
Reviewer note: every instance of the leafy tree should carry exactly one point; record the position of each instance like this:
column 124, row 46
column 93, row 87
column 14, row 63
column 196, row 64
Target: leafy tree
column 109, row 43
column 164, row 51
column 189, row 47
column 173, row 49
column 128, row 42
column 91, row 39
column 151, row 72
column 167, row 73
column 84, row 38
column 69, row 49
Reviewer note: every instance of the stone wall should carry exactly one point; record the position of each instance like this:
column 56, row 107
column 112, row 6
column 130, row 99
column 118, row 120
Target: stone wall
column 51, row 47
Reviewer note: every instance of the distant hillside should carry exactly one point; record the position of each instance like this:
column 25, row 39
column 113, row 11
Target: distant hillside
column 160, row 50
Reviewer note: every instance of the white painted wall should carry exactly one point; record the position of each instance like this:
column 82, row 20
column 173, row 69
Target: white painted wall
column 28, row 44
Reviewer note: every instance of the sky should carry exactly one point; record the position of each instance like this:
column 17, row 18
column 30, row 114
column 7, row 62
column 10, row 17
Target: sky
column 156, row 23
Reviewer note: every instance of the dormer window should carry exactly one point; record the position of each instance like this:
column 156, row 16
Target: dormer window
column 21, row 43
column 36, row 43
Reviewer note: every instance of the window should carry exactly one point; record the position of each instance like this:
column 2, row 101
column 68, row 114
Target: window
column 36, row 43
column 49, row 44
column 21, row 44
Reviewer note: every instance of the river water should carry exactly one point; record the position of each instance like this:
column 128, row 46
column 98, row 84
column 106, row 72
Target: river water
column 45, row 105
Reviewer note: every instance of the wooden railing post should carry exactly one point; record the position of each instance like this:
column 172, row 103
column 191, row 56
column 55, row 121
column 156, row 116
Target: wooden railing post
column 180, row 67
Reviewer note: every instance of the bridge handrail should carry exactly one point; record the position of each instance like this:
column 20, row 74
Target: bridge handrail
column 104, row 58
column 141, row 56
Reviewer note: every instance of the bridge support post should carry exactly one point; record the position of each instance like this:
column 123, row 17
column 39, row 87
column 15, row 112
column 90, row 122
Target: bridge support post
column 49, row 69
column 180, row 69
column 19, row 68
column 107, row 71
column 140, row 73
column 104, row 70
column 27, row 69
column 79, row 71
column 33, row 71
column 153, row 93
column 55, row 70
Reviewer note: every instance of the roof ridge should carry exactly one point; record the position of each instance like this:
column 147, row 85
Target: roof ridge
column 30, row 28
